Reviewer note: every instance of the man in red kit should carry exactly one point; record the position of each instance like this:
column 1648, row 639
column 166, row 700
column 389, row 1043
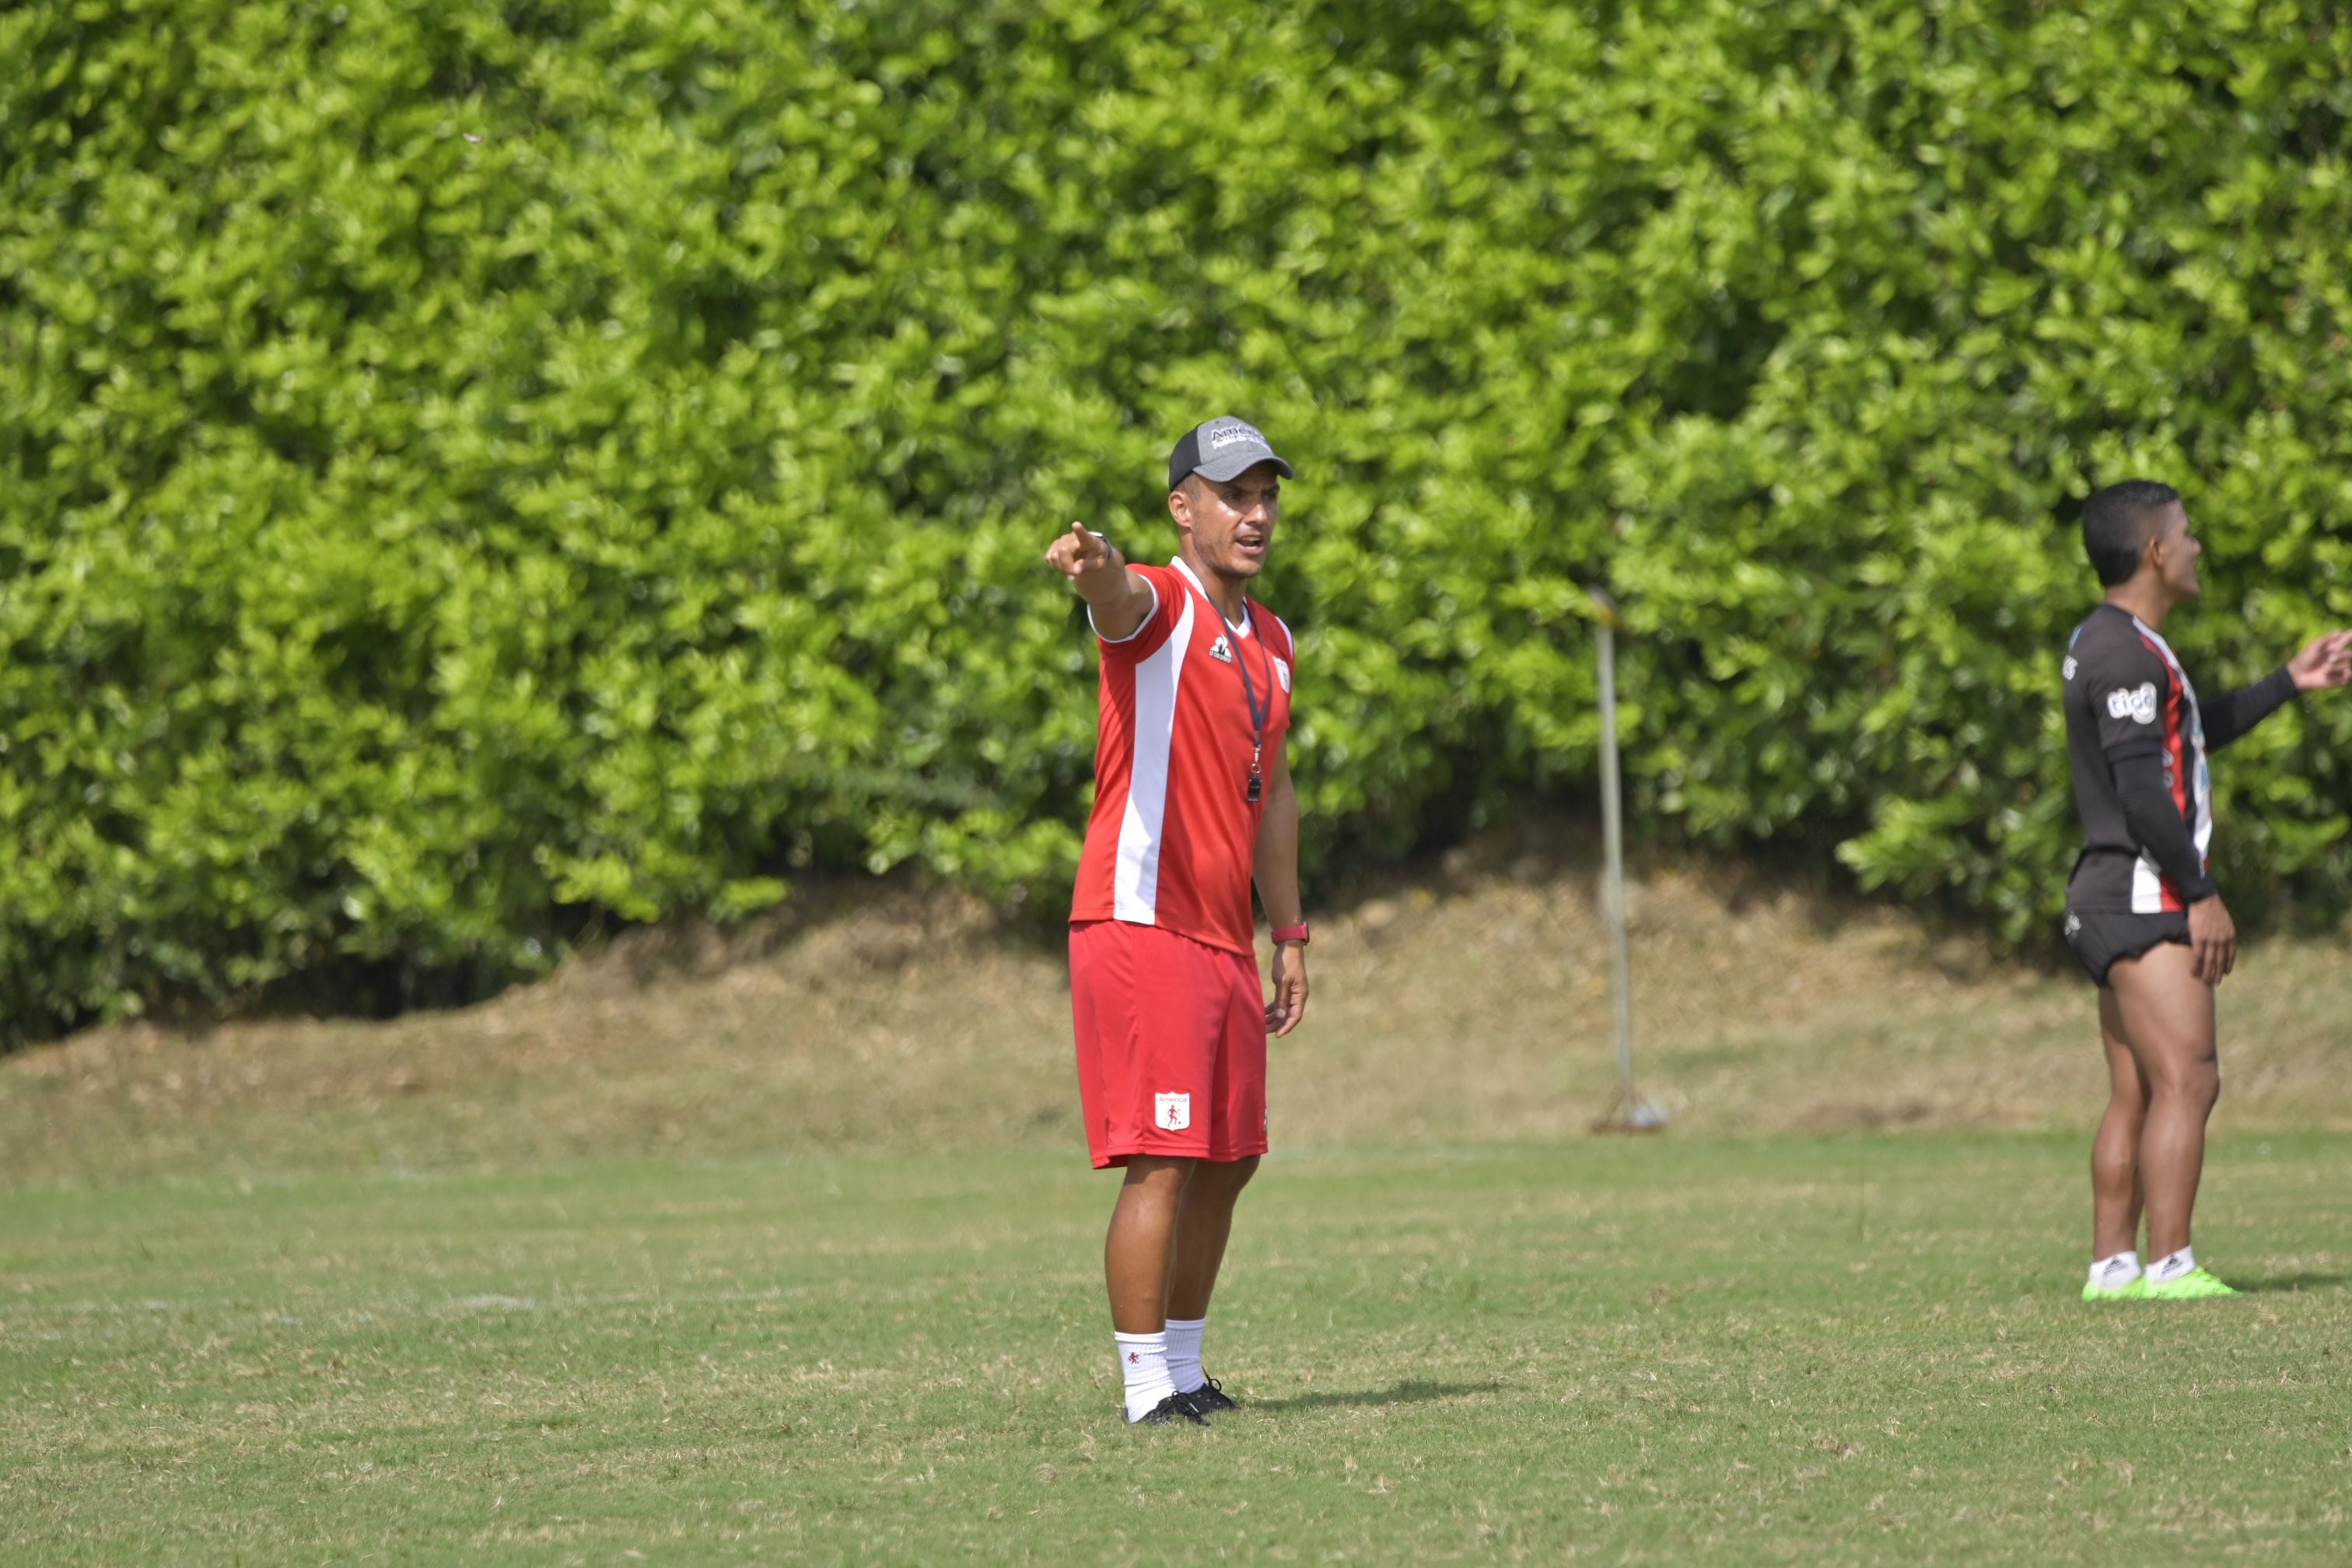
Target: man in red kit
column 1193, row 804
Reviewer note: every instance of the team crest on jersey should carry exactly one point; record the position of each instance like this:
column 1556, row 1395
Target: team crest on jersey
column 2139, row 705
column 1172, row 1113
column 1282, row 672
column 1221, row 651
column 2071, row 667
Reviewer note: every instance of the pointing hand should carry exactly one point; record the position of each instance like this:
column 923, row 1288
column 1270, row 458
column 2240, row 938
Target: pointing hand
column 1081, row 553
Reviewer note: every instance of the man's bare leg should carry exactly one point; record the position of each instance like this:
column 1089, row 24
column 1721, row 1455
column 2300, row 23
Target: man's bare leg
column 1138, row 1254
column 2115, row 1193
column 2167, row 1013
column 1202, row 1228
column 1203, row 1224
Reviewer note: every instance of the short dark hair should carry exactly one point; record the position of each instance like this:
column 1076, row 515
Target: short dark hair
column 2116, row 528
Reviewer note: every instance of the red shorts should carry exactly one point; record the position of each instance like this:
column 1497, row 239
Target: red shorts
column 1172, row 1045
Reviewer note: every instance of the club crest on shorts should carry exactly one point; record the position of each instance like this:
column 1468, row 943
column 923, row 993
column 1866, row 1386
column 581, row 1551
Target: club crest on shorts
column 2138, row 705
column 1221, row 651
column 1282, row 672
column 1172, row 1113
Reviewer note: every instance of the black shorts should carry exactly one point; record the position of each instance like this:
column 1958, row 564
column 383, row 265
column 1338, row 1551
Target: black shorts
column 2100, row 937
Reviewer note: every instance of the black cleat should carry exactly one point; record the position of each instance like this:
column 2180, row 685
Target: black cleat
column 1211, row 1397
column 1175, row 1407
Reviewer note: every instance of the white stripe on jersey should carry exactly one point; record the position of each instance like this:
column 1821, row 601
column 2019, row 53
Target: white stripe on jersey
column 2198, row 785
column 1135, row 883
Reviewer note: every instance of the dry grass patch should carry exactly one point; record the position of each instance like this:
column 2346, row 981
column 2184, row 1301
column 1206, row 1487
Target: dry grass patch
column 1466, row 1003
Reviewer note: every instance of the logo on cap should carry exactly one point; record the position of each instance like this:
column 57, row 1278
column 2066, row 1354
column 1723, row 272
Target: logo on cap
column 1222, row 448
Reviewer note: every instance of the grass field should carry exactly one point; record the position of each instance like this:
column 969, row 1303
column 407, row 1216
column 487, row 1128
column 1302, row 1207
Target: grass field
column 781, row 1250
column 1845, row 1350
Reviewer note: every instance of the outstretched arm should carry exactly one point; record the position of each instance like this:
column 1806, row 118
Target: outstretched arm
column 2324, row 663
column 2234, row 714
column 1118, row 601
column 1276, row 874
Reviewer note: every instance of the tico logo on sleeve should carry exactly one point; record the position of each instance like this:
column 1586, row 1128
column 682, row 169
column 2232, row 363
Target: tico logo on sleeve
column 1172, row 1113
column 2139, row 705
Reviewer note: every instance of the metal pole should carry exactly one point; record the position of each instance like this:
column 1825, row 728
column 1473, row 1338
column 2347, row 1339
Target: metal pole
column 1632, row 1114
column 1612, row 836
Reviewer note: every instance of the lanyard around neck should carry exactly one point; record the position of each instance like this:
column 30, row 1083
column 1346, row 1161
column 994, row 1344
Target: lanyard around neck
column 1249, row 695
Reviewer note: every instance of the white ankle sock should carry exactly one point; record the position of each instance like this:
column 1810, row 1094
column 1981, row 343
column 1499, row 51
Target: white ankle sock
column 1184, row 1353
column 2121, row 1269
column 2165, row 1270
column 1143, row 1362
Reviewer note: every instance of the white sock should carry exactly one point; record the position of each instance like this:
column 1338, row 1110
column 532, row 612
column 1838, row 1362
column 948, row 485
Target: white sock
column 1143, row 1362
column 2164, row 1271
column 1184, row 1353
column 2121, row 1269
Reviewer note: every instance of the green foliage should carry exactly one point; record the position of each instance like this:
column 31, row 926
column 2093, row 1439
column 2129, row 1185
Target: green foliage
column 464, row 466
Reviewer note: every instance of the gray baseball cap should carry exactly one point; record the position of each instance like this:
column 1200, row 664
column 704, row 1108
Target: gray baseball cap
column 1223, row 449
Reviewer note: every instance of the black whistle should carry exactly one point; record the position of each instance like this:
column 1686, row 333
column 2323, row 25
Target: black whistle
column 1254, row 789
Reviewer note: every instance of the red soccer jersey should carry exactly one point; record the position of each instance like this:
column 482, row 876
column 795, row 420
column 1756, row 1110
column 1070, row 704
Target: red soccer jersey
column 1175, row 834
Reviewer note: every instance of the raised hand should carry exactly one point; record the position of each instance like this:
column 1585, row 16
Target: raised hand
column 1081, row 553
column 2323, row 664
column 1116, row 598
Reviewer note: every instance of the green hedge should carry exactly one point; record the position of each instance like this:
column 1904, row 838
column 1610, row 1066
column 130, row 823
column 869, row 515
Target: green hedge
column 465, row 467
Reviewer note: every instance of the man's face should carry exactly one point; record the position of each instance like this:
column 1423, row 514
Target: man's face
column 1231, row 520
column 2175, row 551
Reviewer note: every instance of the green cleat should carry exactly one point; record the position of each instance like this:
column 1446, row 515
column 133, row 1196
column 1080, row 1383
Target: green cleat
column 2131, row 1289
column 2193, row 1286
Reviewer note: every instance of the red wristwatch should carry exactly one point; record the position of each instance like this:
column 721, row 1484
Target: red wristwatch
column 1296, row 933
